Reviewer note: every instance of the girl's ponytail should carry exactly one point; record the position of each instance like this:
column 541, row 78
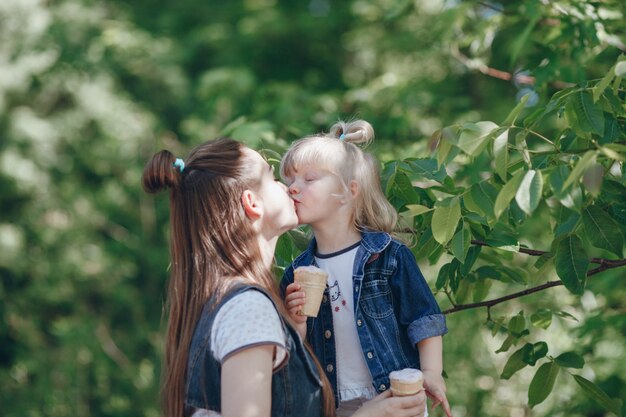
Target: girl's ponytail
column 161, row 173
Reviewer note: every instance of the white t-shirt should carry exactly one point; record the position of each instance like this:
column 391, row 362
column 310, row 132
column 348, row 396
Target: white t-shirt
column 353, row 376
column 246, row 320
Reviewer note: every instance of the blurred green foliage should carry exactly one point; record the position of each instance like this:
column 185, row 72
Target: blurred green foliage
column 90, row 89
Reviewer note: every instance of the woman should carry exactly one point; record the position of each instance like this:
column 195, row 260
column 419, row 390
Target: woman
column 231, row 349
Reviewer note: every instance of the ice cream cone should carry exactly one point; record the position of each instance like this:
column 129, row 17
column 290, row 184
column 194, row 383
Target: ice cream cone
column 312, row 281
column 408, row 381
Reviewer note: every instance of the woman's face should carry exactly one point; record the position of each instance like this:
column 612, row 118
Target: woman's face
column 279, row 214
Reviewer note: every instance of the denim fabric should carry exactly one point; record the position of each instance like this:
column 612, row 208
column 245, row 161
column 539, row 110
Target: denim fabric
column 296, row 386
column 394, row 309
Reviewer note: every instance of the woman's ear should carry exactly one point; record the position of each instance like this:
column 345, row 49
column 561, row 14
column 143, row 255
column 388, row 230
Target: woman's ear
column 251, row 205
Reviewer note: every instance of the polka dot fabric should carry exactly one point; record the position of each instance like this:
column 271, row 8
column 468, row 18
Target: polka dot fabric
column 245, row 320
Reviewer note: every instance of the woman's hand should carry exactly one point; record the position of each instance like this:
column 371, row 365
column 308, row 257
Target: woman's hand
column 384, row 405
column 294, row 300
column 436, row 390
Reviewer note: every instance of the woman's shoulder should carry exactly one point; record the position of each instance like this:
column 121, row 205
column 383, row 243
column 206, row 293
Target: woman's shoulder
column 248, row 302
column 246, row 319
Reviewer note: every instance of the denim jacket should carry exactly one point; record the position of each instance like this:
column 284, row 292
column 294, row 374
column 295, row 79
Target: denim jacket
column 296, row 386
column 394, row 309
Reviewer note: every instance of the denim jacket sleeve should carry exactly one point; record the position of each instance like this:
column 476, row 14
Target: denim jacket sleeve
column 418, row 309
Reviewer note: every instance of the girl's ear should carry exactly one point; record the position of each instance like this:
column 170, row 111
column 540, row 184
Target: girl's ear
column 354, row 189
column 251, row 205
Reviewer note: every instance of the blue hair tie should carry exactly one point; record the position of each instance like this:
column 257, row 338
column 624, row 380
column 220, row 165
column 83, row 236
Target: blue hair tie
column 342, row 136
column 180, row 164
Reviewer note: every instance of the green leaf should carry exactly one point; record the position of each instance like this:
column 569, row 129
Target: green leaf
column 501, row 154
column 389, row 176
column 484, row 196
column 588, row 159
column 461, row 242
column 445, row 218
column 616, row 84
column 557, row 178
column 470, row 204
column 542, row 383
column 541, row 318
column 443, row 277
column 570, row 360
column 522, row 147
column 588, row 116
column 501, row 273
column 506, row 345
column 507, row 193
column 603, row 84
column 417, row 210
column 574, row 198
column 529, row 192
column 443, row 150
column 512, row 117
column 534, row 352
column 426, row 245
column 470, row 259
column 566, row 222
column 454, row 277
column 620, row 69
column 474, row 137
column 612, row 154
column 612, row 130
column 517, row 324
column 544, row 259
column 514, row 364
column 602, row 230
column 545, row 266
column 425, row 168
column 504, row 239
column 566, row 315
column 571, row 264
column 481, row 289
column 461, row 293
column 570, row 197
column 592, row 179
column 598, row 395
column 403, row 188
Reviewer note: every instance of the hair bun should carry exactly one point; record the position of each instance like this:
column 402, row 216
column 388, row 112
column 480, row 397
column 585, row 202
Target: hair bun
column 357, row 131
column 160, row 173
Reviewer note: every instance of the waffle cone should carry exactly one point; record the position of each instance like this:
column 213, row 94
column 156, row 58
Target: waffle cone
column 401, row 385
column 313, row 282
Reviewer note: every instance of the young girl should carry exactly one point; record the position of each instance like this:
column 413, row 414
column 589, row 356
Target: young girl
column 231, row 349
column 378, row 313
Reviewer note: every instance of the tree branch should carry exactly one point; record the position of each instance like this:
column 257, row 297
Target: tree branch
column 549, row 284
column 476, row 64
column 610, row 263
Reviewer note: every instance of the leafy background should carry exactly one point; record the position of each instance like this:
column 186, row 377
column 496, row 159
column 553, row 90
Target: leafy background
column 500, row 129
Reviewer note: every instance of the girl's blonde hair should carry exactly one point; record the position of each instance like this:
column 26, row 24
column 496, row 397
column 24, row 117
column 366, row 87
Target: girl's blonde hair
column 337, row 152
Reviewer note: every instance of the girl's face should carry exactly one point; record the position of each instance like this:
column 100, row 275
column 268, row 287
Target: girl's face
column 317, row 194
column 279, row 213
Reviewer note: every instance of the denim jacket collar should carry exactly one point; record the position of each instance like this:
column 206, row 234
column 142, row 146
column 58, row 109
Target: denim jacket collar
column 371, row 242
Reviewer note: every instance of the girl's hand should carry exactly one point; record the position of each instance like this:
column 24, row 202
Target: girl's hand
column 384, row 405
column 294, row 300
column 436, row 390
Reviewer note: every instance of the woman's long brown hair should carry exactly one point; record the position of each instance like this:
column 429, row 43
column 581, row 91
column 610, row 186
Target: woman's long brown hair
column 211, row 241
